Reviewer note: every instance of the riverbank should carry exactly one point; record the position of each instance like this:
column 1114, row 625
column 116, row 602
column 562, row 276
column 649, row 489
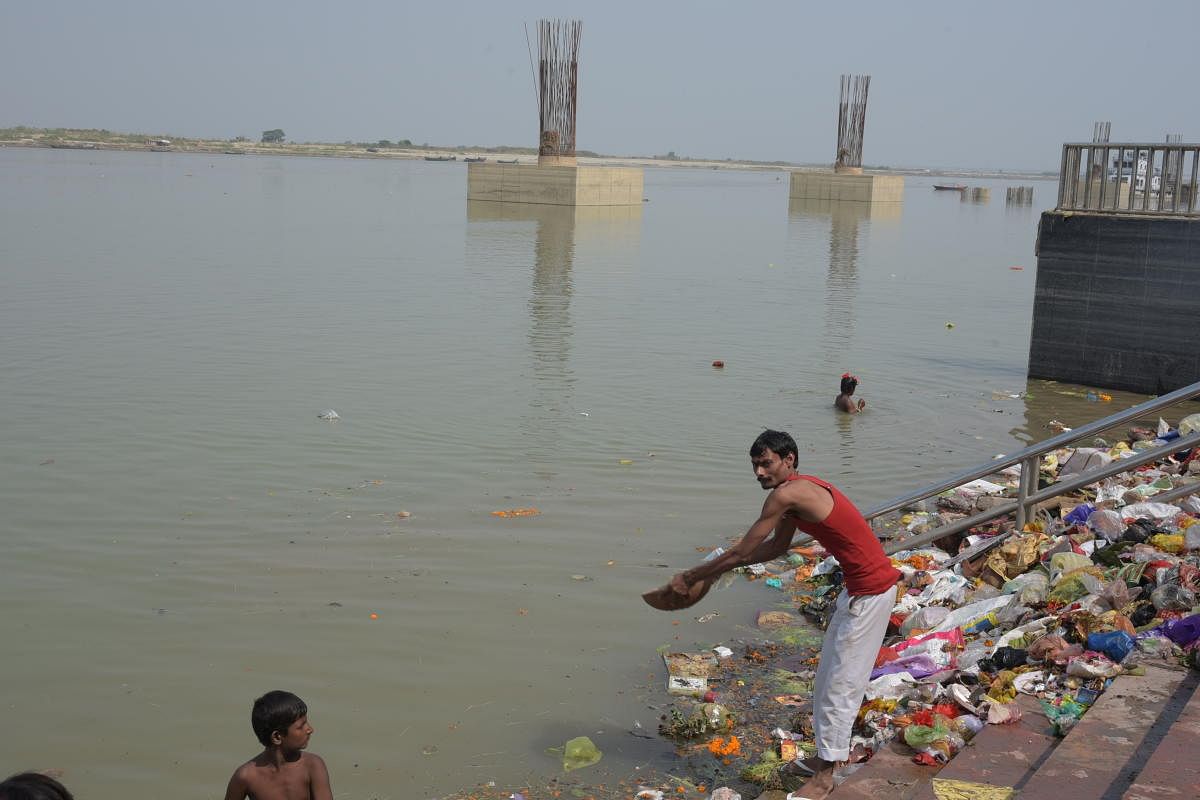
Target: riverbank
column 1010, row 635
column 85, row 139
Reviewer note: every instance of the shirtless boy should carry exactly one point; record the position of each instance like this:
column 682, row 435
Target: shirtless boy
column 281, row 771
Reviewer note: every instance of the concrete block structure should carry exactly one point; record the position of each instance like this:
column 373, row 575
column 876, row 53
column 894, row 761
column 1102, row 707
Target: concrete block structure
column 555, row 185
column 1115, row 301
column 846, row 187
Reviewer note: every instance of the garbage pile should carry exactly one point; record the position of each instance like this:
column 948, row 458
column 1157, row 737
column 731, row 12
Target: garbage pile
column 1097, row 584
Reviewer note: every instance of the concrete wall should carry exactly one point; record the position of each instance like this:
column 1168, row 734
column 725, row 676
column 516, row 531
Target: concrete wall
column 555, row 185
column 1116, row 301
column 853, row 188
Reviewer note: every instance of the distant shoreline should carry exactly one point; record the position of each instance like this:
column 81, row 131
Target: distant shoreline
column 79, row 140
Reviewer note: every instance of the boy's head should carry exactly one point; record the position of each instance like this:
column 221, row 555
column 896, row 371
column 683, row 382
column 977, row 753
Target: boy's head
column 274, row 715
column 33, row 786
column 849, row 383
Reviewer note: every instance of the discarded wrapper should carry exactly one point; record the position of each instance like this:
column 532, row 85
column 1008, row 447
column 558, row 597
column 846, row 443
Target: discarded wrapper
column 688, row 673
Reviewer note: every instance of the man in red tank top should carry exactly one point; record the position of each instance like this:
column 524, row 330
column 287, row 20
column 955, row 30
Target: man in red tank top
column 856, row 630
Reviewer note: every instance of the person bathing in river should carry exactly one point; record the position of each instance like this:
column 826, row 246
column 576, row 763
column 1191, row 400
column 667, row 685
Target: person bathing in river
column 856, row 630
column 845, row 401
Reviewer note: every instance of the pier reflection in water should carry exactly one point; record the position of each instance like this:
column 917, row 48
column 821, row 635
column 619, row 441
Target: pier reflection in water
column 554, row 236
column 846, row 226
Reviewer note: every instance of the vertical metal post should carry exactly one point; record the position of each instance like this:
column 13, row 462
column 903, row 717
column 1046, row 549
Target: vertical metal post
column 1103, row 177
column 1026, row 485
column 1087, row 186
column 1176, row 179
column 1116, row 188
column 1192, row 193
column 1062, row 178
column 1149, row 179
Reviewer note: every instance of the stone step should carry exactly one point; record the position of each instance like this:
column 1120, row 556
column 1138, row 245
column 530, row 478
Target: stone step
column 1172, row 771
column 997, row 761
column 890, row 774
column 1103, row 754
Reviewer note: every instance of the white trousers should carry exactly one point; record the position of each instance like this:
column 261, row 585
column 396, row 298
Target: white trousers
column 848, row 654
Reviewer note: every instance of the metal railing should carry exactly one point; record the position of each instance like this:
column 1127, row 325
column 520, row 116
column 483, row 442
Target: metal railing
column 1030, row 458
column 1130, row 178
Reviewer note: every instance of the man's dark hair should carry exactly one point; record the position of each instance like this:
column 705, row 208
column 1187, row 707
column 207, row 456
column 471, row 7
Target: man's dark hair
column 275, row 711
column 778, row 442
column 33, row 786
column 849, row 385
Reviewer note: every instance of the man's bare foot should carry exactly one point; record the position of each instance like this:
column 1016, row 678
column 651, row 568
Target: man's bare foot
column 820, row 784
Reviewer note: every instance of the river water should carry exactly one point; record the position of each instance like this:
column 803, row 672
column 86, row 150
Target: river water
column 182, row 533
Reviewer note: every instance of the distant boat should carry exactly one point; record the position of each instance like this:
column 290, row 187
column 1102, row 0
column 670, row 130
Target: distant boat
column 502, row 161
column 475, row 159
column 949, row 187
column 441, row 158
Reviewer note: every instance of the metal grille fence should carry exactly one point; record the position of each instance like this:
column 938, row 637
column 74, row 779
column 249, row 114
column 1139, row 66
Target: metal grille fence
column 1130, row 178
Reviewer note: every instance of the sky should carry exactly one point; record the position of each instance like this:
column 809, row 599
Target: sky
column 989, row 85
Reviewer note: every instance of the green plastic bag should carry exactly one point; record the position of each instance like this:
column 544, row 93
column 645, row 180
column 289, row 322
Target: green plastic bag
column 918, row 736
column 577, row 753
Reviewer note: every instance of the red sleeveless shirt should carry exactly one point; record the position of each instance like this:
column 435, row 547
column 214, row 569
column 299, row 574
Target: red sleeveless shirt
column 848, row 537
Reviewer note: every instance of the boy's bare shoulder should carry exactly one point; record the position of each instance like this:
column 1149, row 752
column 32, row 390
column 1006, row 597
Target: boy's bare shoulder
column 246, row 770
column 312, row 760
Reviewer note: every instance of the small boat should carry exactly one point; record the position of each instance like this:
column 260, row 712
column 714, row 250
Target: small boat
column 950, row 187
column 509, row 161
column 441, row 158
column 475, row 159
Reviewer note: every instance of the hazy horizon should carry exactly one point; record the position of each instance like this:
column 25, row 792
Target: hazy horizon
column 953, row 85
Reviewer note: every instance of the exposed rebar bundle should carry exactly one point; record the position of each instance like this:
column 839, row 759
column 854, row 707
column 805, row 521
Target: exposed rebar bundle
column 558, row 76
column 1101, row 131
column 852, row 119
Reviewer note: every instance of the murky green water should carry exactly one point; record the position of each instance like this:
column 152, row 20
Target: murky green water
column 181, row 533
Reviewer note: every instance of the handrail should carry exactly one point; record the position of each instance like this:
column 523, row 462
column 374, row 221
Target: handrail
column 1030, row 460
column 1061, row 487
column 1041, row 448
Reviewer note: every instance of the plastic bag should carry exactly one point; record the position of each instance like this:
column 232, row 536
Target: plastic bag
column 1083, row 460
column 1062, row 563
column 1173, row 597
column 1051, row 648
column 1182, row 631
column 967, row 725
column 1158, row 511
column 924, row 619
column 1074, row 586
column 1079, row 514
column 1009, row 657
column 1064, row 715
column 1116, row 644
column 1168, row 542
column 1030, row 588
column 1191, row 537
column 1092, row 665
column 577, row 753
column 967, row 613
column 1108, row 524
column 1189, row 424
column 918, row 736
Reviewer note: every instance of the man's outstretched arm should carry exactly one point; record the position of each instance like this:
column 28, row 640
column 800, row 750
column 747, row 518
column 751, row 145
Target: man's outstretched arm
column 756, row 546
